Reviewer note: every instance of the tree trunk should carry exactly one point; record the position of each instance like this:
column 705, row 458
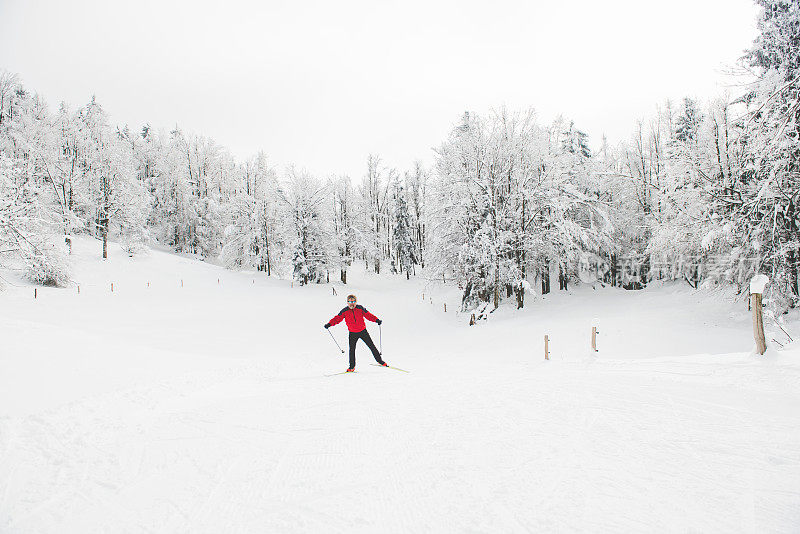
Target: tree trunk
column 613, row 270
column 465, row 296
column 645, row 271
column 496, row 292
column 791, row 259
column 546, row 279
column 266, row 248
column 106, row 188
column 343, row 276
column 105, row 242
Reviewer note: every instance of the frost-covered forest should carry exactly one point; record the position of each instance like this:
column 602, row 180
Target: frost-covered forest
column 704, row 192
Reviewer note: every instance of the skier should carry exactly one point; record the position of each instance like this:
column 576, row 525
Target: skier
column 354, row 315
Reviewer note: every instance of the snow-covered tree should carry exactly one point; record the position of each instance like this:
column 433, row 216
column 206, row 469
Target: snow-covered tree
column 771, row 181
column 29, row 217
column 373, row 215
column 29, row 226
column 113, row 200
column 310, row 243
column 417, row 195
column 403, row 231
column 510, row 198
column 252, row 237
column 345, row 214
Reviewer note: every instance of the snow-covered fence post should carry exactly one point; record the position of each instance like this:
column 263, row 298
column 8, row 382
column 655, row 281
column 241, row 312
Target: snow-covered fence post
column 757, row 285
column 445, row 307
column 546, row 349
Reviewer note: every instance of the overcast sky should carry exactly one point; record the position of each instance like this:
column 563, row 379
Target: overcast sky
column 324, row 83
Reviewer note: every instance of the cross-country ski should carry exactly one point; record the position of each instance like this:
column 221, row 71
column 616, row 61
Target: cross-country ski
column 342, row 373
column 390, row 367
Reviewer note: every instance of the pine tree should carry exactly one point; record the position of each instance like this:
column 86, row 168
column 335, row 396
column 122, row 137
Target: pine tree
column 688, row 122
column 403, row 236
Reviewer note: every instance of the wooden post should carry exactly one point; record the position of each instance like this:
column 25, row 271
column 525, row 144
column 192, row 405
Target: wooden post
column 757, row 285
column 423, row 297
column 445, row 307
column 181, row 282
column 148, row 283
column 34, row 292
column 546, row 348
column 472, row 319
column 758, row 323
column 217, row 280
column 594, row 338
column 112, row 287
column 79, row 290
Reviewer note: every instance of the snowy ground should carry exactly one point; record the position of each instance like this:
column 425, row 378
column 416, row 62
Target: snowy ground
column 204, row 408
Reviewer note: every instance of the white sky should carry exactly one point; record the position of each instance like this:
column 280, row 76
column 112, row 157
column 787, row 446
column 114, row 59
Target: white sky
column 324, row 83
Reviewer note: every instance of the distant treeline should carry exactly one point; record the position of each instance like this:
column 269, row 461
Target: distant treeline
column 703, row 193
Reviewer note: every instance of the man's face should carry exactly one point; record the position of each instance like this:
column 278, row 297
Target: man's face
column 351, row 303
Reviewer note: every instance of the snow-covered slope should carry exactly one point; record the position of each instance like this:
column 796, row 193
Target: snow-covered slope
column 197, row 403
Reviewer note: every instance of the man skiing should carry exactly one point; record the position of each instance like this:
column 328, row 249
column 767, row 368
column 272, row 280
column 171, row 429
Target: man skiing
column 354, row 315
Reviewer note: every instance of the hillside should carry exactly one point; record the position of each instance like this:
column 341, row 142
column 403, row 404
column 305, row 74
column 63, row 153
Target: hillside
column 193, row 399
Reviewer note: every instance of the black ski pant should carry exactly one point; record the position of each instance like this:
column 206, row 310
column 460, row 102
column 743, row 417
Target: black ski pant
column 354, row 337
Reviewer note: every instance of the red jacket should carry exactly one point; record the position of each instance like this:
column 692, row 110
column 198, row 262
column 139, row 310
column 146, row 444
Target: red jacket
column 354, row 318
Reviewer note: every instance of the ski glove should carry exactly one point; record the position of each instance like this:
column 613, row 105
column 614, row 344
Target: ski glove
column 327, row 325
column 379, row 322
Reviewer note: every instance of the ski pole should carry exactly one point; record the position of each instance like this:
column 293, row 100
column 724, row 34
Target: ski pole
column 334, row 340
column 380, row 338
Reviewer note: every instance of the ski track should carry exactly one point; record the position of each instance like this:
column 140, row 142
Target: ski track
column 478, row 438
column 528, row 459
